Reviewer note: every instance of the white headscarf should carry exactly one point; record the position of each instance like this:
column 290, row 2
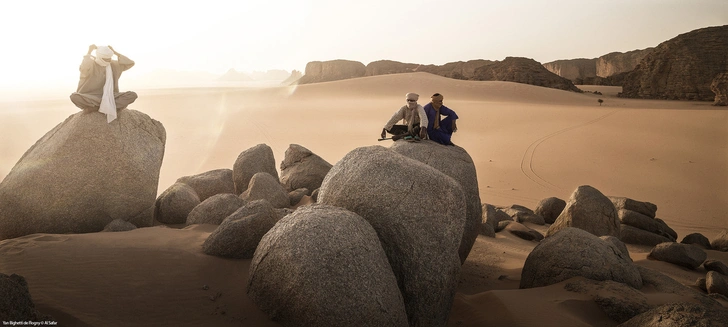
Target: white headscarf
column 108, row 104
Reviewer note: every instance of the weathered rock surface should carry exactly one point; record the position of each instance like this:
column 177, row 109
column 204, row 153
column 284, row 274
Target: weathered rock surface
column 419, row 229
column 238, row 235
column 301, row 168
column 633, row 235
column 296, row 195
column 550, row 209
column 646, row 208
column 681, row 68
column 175, row 203
column 573, row 252
column 522, row 214
column 619, row 62
column 698, row 240
column 717, row 266
column 573, row 69
column 210, row 183
column 265, row 186
column 523, row 70
column 680, row 254
column 455, row 162
column 590, row 210
column 332, row 70
column 325, row 266
column 16, row 303
column 679, row 314
column 638, row 220
column 83, row 174
column 215, row 209
column 618, row 243
column 720, row 243
column 250, row 162
column 664, row 284
column 716, row 283
column 719, row 86
column 523, row 232
column 492, row 215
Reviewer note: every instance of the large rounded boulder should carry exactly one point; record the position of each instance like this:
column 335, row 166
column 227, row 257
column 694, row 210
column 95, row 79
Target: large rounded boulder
column 325, row 266
column 83, row 174
column 215, row 209
column 455, row 162
column 419, row 214
column 301, row 168
column 210, row 183
column 250, row 162
column 573, row 252
column 550, row 209
column 238, row 235
column 590, row 210
column 175, row 203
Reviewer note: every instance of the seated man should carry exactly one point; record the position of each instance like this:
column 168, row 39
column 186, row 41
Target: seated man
column 440, row 130
column 98, row 88
column 413, row 115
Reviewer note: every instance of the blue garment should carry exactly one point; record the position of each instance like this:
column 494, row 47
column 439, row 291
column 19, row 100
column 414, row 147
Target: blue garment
column 443, row 134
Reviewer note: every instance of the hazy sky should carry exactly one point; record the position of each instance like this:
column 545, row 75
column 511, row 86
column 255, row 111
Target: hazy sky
column 44, row 41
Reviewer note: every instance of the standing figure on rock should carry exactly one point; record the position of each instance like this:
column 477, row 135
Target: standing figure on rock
column 440, row 130
column 98, row 86
column 413, row 116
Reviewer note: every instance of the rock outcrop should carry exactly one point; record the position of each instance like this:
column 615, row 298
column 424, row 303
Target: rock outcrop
column 419, row 214
column 175, row 203
column 719, row 86
column 250, row 162
column 455, row 162
column 210, row 183
column 681, row 68
column 573, row 252
column 384, row 67
column 293, row 79
column 302, row 168
column 83, row 174
column 238, row 235
column 550, row 209
column 680, row 254
column 619, row 62
column 456, row 70
column 15, row 303
column 333, row 70
column 573, row 69
column 679, row 314
column 523, row 70
column 325, row 266
column 589, row 210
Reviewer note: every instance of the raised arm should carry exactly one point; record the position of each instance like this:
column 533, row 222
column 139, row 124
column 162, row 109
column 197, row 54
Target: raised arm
column 88, row 62
column 124, row 62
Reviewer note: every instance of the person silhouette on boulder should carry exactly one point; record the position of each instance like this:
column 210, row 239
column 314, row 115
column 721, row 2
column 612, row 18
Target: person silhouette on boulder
column 98, row 86
column 413, row 116
column 438, row 129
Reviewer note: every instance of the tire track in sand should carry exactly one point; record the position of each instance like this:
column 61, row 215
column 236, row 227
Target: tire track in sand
column 527, row 160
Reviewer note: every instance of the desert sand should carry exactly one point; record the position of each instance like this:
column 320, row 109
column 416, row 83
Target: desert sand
column 527, row 142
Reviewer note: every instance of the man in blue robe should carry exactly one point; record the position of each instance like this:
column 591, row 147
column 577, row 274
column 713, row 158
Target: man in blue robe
column 438, row 129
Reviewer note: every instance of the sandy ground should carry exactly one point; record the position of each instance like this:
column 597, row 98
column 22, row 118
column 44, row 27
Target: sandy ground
column 527, row 143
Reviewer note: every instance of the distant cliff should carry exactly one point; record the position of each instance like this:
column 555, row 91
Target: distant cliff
column 523, row 70
column 573, row 69
column 596, row 71
column 681, row 68
column 512, row 69
column 293, row 79
column 333, row 70
column 618, row 62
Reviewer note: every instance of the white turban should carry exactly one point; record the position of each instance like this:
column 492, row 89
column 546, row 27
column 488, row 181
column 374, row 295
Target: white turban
column 108, row 104
column 412, row 96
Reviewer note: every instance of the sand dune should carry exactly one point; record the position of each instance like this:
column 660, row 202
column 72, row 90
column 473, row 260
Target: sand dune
column 527, row 142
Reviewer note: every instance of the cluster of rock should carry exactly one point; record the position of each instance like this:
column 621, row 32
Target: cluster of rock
column 379, row 247
column 681, row 68
column 719, row 86
column 585, row 244
column 511, row 69
column 84, row 174
column 608, row 69
column 245, row 201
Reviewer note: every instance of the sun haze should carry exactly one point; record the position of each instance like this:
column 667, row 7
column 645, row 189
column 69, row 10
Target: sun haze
column 43, row 47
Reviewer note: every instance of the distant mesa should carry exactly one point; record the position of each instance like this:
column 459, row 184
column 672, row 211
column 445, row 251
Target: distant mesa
column 608, row 69
column 681, row 68
column 233, row 75
column 511, row 69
